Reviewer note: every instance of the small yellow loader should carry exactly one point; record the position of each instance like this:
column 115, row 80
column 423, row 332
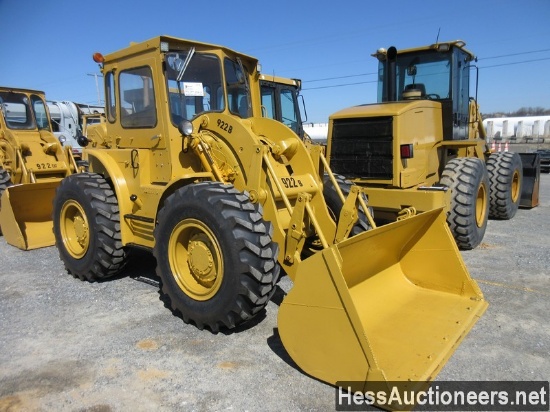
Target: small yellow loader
column 32, row 164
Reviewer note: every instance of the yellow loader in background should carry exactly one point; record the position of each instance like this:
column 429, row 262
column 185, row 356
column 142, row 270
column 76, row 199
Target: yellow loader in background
column 281, row 101
column 422, row 145
column 185, row 165
column 32, row 163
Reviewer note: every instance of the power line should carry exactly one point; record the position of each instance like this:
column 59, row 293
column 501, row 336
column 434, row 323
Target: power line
column 513, row 54
column 339, row 77
column 339, row 85
column 509, row 64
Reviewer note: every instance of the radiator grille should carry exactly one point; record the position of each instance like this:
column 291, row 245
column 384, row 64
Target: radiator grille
column 362, row 148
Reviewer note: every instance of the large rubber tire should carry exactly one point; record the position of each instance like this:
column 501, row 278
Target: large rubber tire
column 86, row 225
column 468, row 181
column 215, row 256
column 505, row 177
column 334, row 203
column 5, row 182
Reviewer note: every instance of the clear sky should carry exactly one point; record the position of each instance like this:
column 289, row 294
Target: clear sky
column 48, row 45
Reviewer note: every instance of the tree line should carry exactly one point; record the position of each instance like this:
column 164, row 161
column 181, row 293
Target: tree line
column 524, row 111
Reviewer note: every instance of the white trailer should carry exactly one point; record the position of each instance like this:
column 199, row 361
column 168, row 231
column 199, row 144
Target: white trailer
column 67, row 121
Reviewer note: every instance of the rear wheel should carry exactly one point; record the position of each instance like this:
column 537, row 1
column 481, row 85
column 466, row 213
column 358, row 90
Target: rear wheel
column 215, row 255
column 335, row 204
column 86, row 224
column 5, row 181
column 505, row 177
column 468, row 181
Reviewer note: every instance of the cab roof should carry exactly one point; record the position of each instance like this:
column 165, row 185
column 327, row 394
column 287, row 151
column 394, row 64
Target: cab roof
column 440, row 46
column 173, row 43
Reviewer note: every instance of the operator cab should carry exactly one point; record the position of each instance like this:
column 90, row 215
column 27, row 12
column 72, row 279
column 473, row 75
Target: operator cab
column 280, row 101
column 439, row 72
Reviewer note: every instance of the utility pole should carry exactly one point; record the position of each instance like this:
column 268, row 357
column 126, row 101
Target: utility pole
column 96, row 86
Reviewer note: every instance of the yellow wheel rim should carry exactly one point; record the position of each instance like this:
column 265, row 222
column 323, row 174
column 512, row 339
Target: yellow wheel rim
column 75, row 230
column 195, row 259
column 481, row 205
column 515, row 186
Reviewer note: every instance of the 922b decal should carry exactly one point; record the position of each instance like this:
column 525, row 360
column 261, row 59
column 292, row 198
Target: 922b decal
column 290, row 182
column 225, row 126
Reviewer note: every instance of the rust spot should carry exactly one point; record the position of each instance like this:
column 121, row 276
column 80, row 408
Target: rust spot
column 228, row 365
column 147, row 344
column 10, row 404
column 151, row 374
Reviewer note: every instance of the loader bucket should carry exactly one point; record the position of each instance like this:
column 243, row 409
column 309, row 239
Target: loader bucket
column 390, row 304
column 26, row 214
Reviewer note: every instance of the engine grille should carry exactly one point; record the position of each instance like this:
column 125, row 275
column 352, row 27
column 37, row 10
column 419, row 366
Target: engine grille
column 362, row 148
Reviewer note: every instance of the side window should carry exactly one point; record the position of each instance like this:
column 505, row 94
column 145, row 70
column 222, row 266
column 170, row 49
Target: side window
column 237, row 93
column 288, row 109
column 17, row 111
column 111, row 97
column 461, row 96
column 268, row 102
column 40, row 113
column 137, row 106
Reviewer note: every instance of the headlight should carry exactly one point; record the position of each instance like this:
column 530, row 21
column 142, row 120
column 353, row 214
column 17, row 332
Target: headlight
column 62, row 139
column 185, row 127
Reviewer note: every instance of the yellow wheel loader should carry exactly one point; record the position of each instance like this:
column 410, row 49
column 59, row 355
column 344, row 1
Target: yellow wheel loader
column 422, row 146
column 186, row 166
column 280, row 97
column 32, row 164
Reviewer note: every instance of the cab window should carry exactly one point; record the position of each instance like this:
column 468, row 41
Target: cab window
column 194, row 83
column 137, row 98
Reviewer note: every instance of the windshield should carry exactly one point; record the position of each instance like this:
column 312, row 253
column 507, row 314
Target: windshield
column 23, row 113
column 280, row 103
column 427, row 73
column 194, row 84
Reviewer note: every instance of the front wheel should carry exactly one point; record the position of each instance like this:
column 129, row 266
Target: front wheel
column 86, row 225
column 468, row 181
column 505, row 176
column 215, row 255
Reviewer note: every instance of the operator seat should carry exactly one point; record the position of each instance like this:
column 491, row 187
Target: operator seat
column 414, row 91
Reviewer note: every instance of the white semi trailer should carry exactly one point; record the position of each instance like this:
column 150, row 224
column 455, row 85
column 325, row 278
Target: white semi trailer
column 67, row 121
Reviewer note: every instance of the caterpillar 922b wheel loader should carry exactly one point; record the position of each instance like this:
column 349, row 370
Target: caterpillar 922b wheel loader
column 186, row 166
column 32, row 164
column 423, row 145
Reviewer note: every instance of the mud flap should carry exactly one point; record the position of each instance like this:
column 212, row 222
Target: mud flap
column 531, row 180
column 26, row 215
column 390, row 304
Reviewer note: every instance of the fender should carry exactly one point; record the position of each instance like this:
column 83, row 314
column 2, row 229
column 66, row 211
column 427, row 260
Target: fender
column 103, row 163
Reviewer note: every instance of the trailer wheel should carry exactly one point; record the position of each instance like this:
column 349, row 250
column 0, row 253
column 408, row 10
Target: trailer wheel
column 505, row 176
column 86, row 224
column 335, row 204
column 215, row 256
column 468, row 181
column 5, row 182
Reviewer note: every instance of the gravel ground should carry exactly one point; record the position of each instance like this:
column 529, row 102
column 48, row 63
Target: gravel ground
column 67, row 345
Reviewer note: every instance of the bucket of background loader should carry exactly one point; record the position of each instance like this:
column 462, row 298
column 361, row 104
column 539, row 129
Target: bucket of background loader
column 26, row 214
column 390, row 304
